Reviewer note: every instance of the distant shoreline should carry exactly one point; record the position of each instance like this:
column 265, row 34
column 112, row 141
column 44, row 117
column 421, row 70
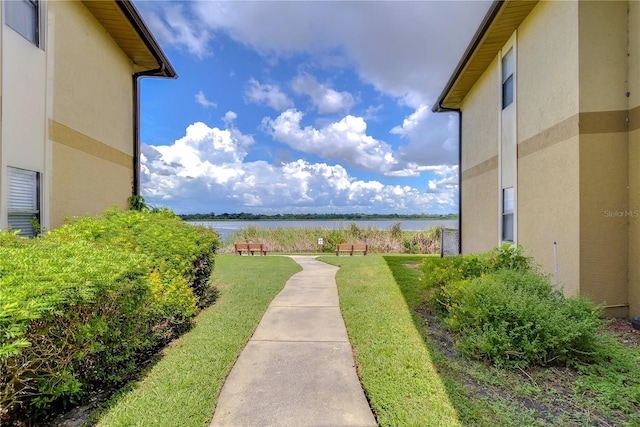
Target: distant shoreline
column 315, row 217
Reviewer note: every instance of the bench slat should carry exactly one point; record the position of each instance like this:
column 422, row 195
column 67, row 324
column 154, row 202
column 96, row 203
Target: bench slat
column 351, row 248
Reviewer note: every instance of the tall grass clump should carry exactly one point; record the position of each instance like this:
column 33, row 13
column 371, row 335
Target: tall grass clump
column 83, row 306
column 301, row 240
column 502, row 309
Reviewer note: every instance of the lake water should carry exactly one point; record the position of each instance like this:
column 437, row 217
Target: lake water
column 226, row 228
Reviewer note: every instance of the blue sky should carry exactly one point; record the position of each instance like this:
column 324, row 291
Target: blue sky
column 303, row 106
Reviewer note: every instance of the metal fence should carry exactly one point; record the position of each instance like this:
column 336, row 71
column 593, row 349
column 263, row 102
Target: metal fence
column 449, row 241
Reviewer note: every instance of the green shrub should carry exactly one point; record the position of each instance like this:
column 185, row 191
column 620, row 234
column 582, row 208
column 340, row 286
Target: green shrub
column 503, row 310
column 82, row 306
column 516, row 318
column 175, row 246
column 437, row 273
column 508, row 256
column 65, row 306
column 333, row 239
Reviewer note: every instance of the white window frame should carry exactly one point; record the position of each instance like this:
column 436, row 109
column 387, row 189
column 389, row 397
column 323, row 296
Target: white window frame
column 23, row 201
column 510, row 47
column 508, row 77
column 508, row 213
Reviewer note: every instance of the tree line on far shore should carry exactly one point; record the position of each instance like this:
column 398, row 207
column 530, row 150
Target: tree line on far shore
column 243, row 216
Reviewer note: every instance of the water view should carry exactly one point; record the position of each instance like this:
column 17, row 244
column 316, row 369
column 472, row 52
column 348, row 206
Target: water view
column 227, row 228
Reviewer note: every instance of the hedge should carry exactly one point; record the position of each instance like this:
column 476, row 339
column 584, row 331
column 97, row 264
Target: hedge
column 502, row 309
column 83, row 306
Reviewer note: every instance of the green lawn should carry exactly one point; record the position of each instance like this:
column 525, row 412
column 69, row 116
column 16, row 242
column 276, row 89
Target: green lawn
column 182, row 388
column 394, row 364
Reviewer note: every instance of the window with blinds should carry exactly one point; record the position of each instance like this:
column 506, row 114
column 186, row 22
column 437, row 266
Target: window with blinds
column 23, row 204
column 23, row 16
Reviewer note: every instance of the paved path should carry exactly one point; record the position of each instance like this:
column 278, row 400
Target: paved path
column 297, row 369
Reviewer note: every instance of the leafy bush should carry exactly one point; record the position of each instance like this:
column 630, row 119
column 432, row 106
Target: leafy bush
column 437, row 273
column 517, row 318
column 333, row 239
column 81, row 306
column 503, row 310
column 176, row 247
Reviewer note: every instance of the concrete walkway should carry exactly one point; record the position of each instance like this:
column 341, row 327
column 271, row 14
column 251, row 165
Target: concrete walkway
column 297, row 369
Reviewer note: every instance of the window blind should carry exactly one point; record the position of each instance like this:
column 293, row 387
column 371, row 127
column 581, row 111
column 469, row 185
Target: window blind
column 23, row 200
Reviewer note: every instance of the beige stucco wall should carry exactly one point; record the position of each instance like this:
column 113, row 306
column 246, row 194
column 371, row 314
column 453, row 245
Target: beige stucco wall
column 548, row 211
column 603, row 220
column 91, row 127
column 547, row 99
column 86, row 178
column 634, row 159
column 479, row 212
column 603, row 153
column 480, row 164
column 93, row 86
column 480, row 120
column 547, row 67
column 634, row 224
column 603, row 55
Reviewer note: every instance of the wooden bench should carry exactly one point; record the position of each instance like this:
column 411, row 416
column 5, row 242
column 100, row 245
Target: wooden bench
column 241, row 247
column 360, row 247
column 250, row 248
column 257, row 247
column 348, row 247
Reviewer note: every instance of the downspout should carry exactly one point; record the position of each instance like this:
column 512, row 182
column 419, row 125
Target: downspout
column 442, row 108
column 136, row 123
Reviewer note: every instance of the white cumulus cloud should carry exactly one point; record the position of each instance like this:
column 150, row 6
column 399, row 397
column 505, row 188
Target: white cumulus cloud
column 432, row 137
column 202, row 100
column 172, row 23
column 268, row 94
column 207, row 171
column 345, row 141
column 323, row 97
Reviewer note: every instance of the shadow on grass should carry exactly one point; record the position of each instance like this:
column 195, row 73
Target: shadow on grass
column 406, row 272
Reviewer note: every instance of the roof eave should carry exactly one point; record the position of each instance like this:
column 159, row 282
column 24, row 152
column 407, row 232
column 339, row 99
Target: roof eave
column 165, row 69
column 123, row 22
column 454, row 92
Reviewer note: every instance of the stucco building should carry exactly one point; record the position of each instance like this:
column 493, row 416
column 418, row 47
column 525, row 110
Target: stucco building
column 69, row 82
column 549, row 99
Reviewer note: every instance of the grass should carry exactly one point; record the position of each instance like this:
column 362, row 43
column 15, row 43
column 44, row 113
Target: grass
column 395, row 366
column 181, row 389
column 413, row 376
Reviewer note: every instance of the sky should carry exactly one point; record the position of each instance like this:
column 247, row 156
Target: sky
column 303, row 106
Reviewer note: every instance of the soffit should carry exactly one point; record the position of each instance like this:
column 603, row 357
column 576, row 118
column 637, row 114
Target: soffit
column 123, row 22
column 501, row 21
